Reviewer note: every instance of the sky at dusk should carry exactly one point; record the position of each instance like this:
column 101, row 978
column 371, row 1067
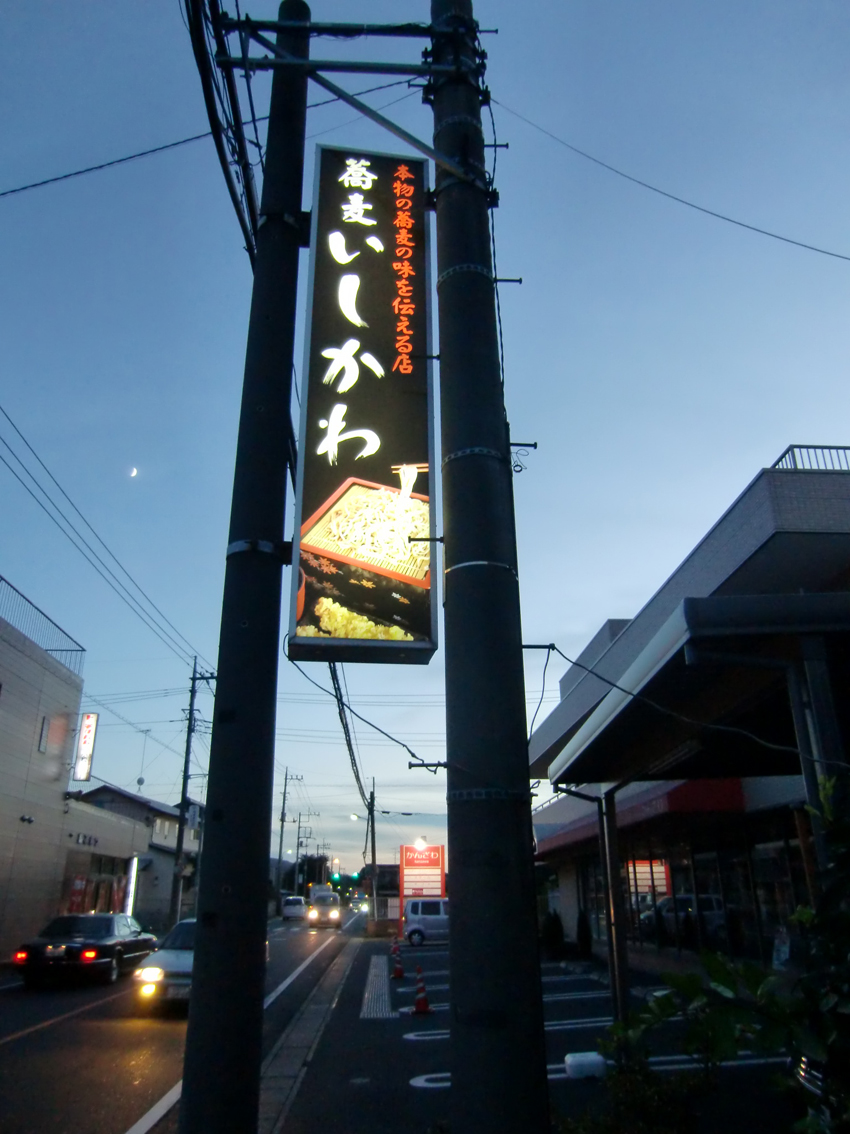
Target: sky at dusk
column 657, row 355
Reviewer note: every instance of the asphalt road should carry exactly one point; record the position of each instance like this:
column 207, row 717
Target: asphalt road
column 378, row 1069
column 81, row 1060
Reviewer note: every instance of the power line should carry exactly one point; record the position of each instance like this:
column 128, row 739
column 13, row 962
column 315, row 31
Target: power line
column 124, row 599
column 670, row 196
column 365, row 720
column 109, row 552
column 163, row 148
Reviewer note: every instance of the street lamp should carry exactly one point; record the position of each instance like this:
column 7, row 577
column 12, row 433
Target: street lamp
column 421, row 843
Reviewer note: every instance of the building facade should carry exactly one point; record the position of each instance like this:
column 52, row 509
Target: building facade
column 693, row 737
column 55, row 854
column 157, row 862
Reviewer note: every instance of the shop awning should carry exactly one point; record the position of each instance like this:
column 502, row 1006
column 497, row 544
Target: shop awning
column 625, row 737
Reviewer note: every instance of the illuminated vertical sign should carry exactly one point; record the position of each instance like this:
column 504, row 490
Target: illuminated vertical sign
column 85, row 746
column 362, row 553
column 422, row 872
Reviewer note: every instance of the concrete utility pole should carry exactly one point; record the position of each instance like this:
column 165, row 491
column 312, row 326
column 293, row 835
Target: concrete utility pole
column 374, row 856
column 221, row 1078
column 177, row 877
column 279, row 874
column 498, row 1054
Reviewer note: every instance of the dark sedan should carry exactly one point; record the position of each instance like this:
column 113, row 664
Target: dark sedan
column 97, row 945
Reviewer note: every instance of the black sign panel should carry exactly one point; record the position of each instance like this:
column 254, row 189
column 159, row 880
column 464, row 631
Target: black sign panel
column 362, row 554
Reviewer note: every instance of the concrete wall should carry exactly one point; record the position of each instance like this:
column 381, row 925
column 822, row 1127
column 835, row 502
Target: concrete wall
column 33, row 689
column 39, row 711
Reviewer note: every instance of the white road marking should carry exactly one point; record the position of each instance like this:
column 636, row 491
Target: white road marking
column 440, row 1080
column 157, row 1111
column 549, row 1026
column 272, row 996
column 147, row 1121
column 65, row 1016
column 577, row 995
column 428, row 988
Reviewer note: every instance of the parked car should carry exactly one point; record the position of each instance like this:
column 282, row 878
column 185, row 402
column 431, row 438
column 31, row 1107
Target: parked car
column 167, row 974
column 293, row 907
column 324, row 909
column 426, row 919
column 681, row 909
column 97, row 945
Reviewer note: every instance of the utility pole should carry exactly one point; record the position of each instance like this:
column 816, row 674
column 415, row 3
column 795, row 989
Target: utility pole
column 374, row 856
column 498, row 1053
column 286, row 780
column 221, row 1075
column 177, row 877
column 297, row 851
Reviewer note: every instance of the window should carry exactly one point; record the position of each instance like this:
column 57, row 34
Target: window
column 430, row 909
column 123, row 926
column 42, row 739
column 414, row 909
column 157, row 827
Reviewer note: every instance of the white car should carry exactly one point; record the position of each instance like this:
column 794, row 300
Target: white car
column 293, row 907
column 167, row 972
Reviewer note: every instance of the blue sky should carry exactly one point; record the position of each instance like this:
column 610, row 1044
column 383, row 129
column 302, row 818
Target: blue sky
column 659, row 357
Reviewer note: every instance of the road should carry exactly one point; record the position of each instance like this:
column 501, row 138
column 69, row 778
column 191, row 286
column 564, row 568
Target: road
column 384, row 1062
column 81, row 1060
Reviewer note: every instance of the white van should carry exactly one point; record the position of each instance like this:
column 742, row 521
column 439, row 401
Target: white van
column 426, row 919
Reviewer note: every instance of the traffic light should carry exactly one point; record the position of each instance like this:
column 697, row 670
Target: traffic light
column 355, row 876
column 335, row 877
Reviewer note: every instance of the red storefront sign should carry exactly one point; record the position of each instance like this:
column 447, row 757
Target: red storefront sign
column 422, row 873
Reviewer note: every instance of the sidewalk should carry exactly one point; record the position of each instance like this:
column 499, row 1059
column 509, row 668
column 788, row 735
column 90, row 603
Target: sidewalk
column 379, row 1069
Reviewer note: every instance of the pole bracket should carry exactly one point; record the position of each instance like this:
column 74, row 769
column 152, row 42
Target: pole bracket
column 281, row 549
column 475, row 451
column 482, row 563
column 479, row 268
column 485, row 795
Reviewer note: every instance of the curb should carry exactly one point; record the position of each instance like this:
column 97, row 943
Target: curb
column 286, row 1064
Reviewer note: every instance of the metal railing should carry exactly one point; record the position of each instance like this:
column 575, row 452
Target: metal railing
column 26, row 617
column 829, row 458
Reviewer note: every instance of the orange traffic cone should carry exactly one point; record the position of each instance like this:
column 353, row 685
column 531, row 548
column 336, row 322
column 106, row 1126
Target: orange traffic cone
column 421, row 1007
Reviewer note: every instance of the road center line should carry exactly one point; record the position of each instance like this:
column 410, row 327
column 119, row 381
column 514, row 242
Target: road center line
column 64, row 1016
column 156, row 1112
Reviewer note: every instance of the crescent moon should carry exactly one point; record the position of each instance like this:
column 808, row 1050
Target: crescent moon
column 133, row 471
column 348, row 288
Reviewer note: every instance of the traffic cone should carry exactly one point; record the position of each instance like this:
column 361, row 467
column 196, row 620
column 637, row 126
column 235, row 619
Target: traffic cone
column 395, row 953
column 421, row 1007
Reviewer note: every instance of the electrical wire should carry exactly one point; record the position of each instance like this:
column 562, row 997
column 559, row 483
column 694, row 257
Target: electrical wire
column 672, row 712
column 493, row 251
column 137, row 610
column 169, row 146
column 102, row 543
column 340, row 702
column 540, row 702
column 365, row 720
column 135, row 726
column 671, row 196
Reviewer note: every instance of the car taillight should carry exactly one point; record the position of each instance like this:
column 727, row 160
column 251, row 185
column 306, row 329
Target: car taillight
column 20, row 956
column 89, row 954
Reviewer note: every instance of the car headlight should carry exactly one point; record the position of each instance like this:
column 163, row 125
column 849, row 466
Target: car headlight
column 313, row 914
column 334, row 915
column 152, row 974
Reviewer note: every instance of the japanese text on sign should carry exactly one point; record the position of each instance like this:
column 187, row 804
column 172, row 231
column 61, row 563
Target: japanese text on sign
column 364, row 500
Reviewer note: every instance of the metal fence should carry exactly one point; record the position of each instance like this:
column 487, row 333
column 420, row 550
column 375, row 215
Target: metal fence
column 831, row 458
column 25, row 616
